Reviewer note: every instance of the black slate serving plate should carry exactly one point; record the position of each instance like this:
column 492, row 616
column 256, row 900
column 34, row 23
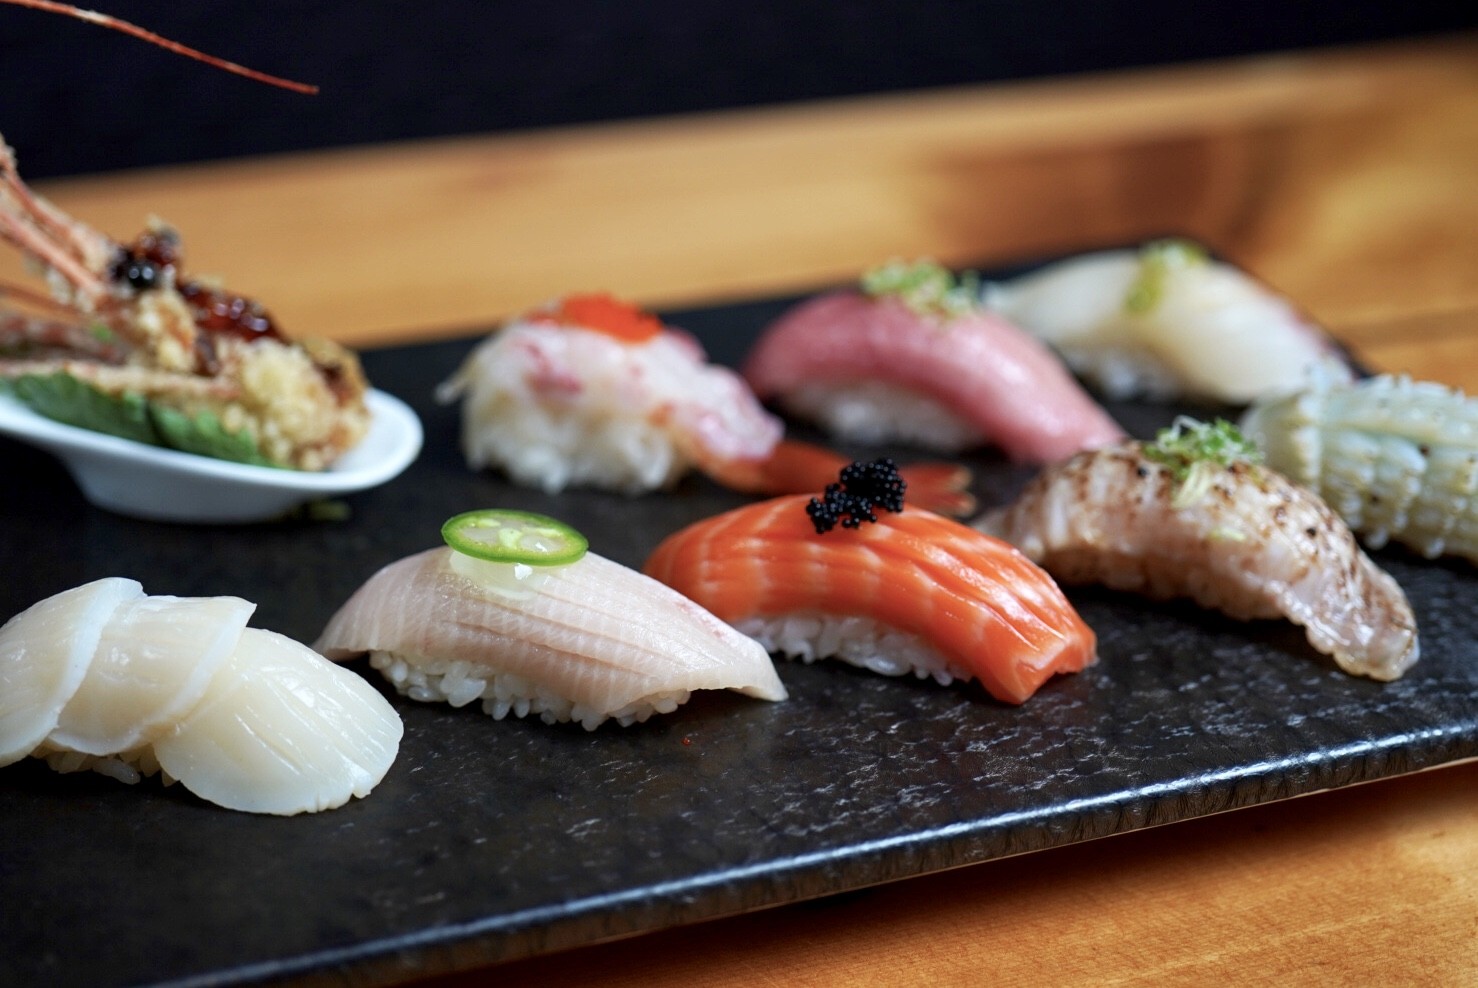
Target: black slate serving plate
column 497, row 840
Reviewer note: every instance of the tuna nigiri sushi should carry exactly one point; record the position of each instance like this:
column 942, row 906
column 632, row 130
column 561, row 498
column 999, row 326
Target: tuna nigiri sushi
column 1167, row 321
column 1194, row 515
column 592, row 391
column 516, row 613
column 107, row 678
column 903, row 591
column 912, row 356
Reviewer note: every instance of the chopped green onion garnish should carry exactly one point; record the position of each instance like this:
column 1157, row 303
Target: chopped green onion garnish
column 925, row 287
column 1157, row 261
column 503, row 536
column 1189, row 449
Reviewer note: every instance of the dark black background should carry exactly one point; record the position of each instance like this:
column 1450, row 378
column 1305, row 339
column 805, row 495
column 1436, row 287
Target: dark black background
column 76, row 98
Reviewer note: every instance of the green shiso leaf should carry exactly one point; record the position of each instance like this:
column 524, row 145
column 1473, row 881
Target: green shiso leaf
column 64, row 398
column 1191, row 451
column 67, row 399
column 1157, row 261
column 927, row 288
column 204, row 435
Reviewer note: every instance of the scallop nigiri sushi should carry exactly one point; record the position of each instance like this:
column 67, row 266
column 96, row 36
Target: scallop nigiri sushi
column 1167, row 321
column 592, row 391
column 107, row 678
column 912, row 356
column 1194, row 515
column 903, row 591
column 515, row 612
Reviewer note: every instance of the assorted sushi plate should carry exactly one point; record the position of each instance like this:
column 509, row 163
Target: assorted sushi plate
column 627, row 621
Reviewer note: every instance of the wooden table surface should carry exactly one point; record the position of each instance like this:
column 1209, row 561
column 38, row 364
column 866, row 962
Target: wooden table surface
column 1348, row 179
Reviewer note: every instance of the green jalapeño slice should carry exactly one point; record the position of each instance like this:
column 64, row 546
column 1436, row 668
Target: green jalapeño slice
column 503, row 536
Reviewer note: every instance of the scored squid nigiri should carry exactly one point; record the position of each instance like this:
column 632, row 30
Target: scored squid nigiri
column 1193, row 515
column 584, row 641
column 912, row 357
column 1396, row 458
column 894, row 593
column 106, row 678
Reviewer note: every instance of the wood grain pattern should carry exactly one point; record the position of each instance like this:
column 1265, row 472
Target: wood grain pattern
column 1344, row 178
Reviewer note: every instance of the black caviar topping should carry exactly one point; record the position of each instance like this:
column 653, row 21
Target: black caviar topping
column 862, row 487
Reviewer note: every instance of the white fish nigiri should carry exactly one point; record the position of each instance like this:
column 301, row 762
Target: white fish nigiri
column 1191, row 516
column 1167, row 321
column 103, row 677
column 282, row 731
column 1396, row 458
column 585, row 641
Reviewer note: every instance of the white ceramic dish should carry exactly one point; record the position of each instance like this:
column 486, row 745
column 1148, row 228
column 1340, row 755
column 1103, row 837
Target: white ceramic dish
column 151, row 482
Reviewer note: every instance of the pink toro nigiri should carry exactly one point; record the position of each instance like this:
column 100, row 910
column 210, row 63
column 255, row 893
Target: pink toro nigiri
column 914, row 357
column 583, row 639
column 905, row 591
column 1194, row 515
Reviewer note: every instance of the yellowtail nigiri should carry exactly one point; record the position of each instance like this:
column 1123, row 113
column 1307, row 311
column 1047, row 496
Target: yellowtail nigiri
column 526, row 620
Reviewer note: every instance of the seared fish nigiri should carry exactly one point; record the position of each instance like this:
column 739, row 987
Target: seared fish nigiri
column 1194, row 516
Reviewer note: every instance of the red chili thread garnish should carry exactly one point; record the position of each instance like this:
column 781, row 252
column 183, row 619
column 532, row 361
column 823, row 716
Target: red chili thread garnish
column 604, row 313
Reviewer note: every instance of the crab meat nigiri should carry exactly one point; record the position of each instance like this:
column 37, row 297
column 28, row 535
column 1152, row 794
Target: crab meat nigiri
column 581, row 639
column 107, row 678
column 1167, row 321
column 593, row 391
column 1193, row 515
column 905, row 591
column 912, row 356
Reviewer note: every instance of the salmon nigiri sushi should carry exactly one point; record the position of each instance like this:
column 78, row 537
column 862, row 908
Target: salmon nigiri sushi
column 903, row 591
column 913, row 356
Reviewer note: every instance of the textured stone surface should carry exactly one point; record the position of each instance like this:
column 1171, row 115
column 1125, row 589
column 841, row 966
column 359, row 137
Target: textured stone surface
column 493, row 840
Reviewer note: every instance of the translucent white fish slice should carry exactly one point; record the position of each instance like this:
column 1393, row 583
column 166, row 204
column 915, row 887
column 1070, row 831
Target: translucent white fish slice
column 153, row 663
column 282, row 730
column 45, row 652
column 586, row 642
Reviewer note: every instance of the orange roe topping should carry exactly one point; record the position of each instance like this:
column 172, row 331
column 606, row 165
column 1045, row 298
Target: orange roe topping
column 605, row 314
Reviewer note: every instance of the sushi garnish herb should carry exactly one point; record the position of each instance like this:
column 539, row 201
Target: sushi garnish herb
column 1192, row 450
column 604, row 313
column 928, row 288
column 861, row 488
column 64, row 398
column 520, row 537
column 1157, row 261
